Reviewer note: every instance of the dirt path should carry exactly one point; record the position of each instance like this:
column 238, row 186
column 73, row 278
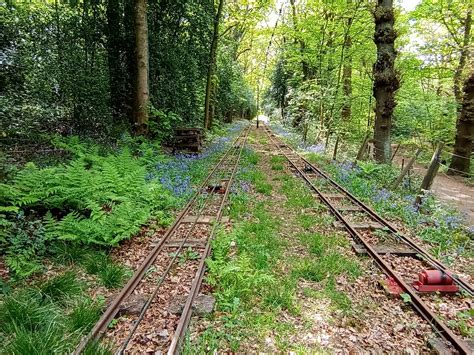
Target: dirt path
column 450, row 189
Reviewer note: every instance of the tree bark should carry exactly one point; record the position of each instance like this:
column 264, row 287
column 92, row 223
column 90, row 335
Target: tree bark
column 142, row 90
column 212, row 64
column 386, row 80
column 463, row 56
column 461, row 160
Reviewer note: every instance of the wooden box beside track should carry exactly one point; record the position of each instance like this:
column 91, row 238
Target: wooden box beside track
column 188, row 139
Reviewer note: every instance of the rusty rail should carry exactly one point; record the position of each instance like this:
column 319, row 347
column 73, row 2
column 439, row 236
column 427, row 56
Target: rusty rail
column 416, row 300
column 101, row 326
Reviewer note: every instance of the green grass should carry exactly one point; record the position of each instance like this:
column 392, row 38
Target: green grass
column 112, row 275
column 307, row 221
column 49, row 317
column 259, row 180
column 277, row 163
column 297, row 194
column 332, row 264
column 84, row 315
column 69, row 253
column 109, row 274
column 254, row 280
column 60, row 287
column 26, row 310
column 40, row 342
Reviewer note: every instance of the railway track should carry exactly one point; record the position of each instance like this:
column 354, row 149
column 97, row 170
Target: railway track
column 375, row 236
column 174, row 268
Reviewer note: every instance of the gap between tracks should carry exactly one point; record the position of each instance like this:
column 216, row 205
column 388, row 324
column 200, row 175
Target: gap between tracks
column 285, row 280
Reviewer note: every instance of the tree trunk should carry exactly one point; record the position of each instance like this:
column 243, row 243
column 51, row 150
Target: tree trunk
column 142, row 91
column 130, row 65
column 212, row 63
column 386, row 80
column 462, row 61
column 461, row 160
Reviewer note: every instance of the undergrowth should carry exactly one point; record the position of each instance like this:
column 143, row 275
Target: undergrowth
column 253, row 278
column 47, row 317
column 435, row 222
column 100, row 197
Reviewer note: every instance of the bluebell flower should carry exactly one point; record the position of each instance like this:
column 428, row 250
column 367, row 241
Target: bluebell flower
column 382, row 195
column 315, row 148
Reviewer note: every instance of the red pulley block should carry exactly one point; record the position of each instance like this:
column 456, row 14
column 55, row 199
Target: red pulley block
column 435, row 281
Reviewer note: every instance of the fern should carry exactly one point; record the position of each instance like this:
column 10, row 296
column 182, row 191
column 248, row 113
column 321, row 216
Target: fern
column 99, row 200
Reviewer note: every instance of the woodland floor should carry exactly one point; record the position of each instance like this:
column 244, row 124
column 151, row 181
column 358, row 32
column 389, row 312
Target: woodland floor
column 311, row 302
column 450, row 189
column 284, row 279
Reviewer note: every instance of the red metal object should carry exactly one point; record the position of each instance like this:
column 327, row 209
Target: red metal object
column 435, row 281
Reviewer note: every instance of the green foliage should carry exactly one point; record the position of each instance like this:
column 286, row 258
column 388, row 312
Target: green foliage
column 50, row 317
column 69, row 253
column 241, row 279
column 94, row 199
column 25, row 310
column 162, row 124
column 297, row 195
column 84, row 315
column 330, row 264
column 110, row 274
column 435, row 222
column 40, row 342
column 60, row 287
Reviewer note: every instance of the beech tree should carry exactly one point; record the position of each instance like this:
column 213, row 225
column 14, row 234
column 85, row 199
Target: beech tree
column 386, row 80
column 208, row 111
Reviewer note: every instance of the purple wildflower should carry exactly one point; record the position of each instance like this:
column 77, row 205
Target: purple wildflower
column 382, row 195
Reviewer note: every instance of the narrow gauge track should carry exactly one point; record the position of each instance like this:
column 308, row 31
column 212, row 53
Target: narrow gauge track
column 361, row 221
column 167, row 271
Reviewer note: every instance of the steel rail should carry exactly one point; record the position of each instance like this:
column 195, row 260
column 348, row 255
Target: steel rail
column 101, row 326
column 162, row 278
column 425, row 254
column 176, row 255
column 418, row 303
column 178, row 337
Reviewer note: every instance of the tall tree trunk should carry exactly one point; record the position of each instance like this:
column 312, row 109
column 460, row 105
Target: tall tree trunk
column 464, row 53
column 461, row 160
column 130, row 70
column 142, row 90
column 212, row 64
column 386, row 80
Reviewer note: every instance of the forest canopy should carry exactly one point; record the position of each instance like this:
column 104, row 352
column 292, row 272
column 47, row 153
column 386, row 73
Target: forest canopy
column 102, row 68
